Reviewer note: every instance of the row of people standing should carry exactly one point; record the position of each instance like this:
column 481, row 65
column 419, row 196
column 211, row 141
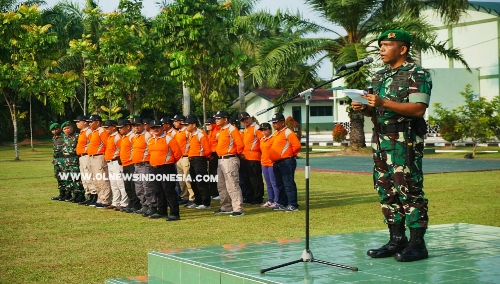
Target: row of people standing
column 170, row 146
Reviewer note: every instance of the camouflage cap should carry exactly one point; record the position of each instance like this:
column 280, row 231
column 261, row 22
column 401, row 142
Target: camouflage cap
column 395, row 35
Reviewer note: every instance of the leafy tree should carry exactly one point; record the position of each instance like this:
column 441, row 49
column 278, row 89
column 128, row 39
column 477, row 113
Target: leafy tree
column 475, row 120
column 449, row 123
column 199, row 44
column 23, row 45
column 362, row 21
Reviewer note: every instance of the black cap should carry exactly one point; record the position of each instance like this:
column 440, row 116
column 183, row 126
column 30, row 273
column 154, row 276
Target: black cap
column 109, row 123
column 80, row 118
column 210, row 120
column 178, row 117
column 123, row 122
column 136, row 120
column 166, row 120
column 232, row 120
column 243, row 115
column 155, row 123
column 277, row 117
column 189, row 120
column 94, row 117
column 265, row 125
column 146, row 120
column 221, row 114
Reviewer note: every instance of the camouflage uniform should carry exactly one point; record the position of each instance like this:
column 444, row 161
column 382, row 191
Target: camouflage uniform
column 58, row 162
column 397, row 174
column 72, row 165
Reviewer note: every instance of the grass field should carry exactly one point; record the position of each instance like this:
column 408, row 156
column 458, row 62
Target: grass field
column 44, row 241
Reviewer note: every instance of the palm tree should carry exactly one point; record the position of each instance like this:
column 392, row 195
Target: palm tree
column 362, row 21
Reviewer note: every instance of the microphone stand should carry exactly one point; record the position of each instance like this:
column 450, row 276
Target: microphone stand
column 307, row 254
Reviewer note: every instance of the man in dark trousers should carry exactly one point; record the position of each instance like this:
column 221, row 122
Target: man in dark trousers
column 125, row 128
column 199, row 153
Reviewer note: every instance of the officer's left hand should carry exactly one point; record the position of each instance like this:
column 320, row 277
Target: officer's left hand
column 373, row 100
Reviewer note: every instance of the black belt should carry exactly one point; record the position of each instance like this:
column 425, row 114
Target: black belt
column 161, row 166
column 185, row 156
column 198, row 158
column 391, row 128
column 227, row 157
column 84, row 155
column 142, row 164
column 284, row 159
column 112, row 160
column 95, row 155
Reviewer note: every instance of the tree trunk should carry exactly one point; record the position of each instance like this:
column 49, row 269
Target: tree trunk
column 186, row 101
column 241, row 89
column 31, row 128
column 357, row 133
column 84, row 95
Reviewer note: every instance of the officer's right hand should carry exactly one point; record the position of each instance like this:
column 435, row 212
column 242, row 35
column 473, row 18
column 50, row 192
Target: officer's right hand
column 357, row 105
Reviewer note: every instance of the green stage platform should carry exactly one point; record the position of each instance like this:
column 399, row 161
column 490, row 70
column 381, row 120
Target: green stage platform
column 458, row 253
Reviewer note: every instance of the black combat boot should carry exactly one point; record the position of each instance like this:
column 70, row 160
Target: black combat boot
column 86, row 201
column 57, row 198
column 397, row 242
column 93, row 201
column 152, row 210
column 416, row 249
column 68, row 196
column 143, row 210
column 79, row 197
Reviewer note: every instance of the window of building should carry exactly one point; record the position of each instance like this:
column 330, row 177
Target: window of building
column 321, row 110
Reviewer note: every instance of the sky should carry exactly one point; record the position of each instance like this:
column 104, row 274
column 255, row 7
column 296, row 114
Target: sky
column 150, row 9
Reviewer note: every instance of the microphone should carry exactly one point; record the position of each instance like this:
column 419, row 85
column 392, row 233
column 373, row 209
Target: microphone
column 356, row 64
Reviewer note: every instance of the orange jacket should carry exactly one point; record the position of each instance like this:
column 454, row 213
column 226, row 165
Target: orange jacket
column 198, row 144
column 83, row 141
column 182, row 139
column 251, row 140
column 265, row 148
column 229, row 141
column 164, row 150
column 98, row 142
column 126, row 149
column 212, row 137
column 113, row 146
column 140, row 151
column 172, row 132
column 286, row 144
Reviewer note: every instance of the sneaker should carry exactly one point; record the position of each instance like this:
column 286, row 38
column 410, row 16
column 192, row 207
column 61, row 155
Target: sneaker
column 189, row 203
column 202, row 207
column 101, row 206
column 267, row 204
column 192, row 205
column 237, row 214
column 279, row 208
column 216, row 198
column 172, row 218
column 220, row 211
column 291, row 208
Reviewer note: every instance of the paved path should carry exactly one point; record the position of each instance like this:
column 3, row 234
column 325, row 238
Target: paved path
column 364, row 164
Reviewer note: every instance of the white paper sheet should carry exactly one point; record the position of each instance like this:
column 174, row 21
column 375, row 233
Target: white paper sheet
column 355, row 95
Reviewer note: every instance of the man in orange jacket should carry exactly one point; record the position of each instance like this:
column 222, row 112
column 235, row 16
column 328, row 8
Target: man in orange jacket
column 84, row 159
column 140, row 158
column 115, row 170
column 214, row 161
column 198, row 154
column 230, row 145
column 250, row 160
column 165, row 152
column 99, row 167
column 286, row 146
column 125, row 128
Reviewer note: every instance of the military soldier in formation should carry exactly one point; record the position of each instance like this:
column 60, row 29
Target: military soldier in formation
column 73, row 185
